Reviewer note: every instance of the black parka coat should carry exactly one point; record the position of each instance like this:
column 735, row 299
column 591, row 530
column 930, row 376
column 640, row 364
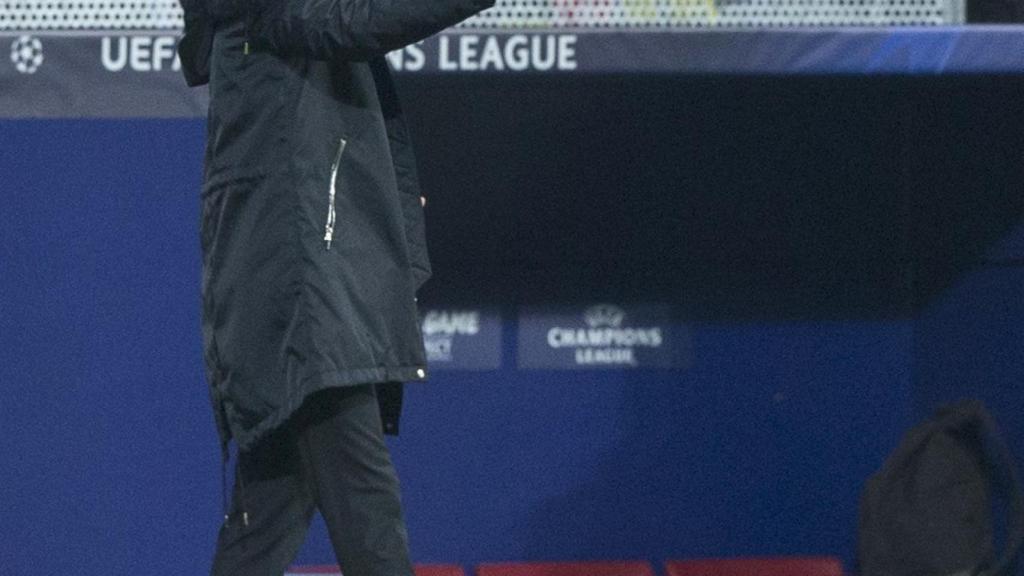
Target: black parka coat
column 312, row 230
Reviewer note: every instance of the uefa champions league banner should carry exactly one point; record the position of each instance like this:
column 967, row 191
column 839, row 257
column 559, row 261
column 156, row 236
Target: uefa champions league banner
column 137, row 74
column 127, row 75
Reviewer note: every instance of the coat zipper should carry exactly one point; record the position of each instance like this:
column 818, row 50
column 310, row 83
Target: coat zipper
column 332, row 194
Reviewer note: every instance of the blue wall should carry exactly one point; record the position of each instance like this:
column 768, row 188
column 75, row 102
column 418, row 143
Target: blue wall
column 742, row 454
column 779, row 216
column 108, row 462
column 970, row 343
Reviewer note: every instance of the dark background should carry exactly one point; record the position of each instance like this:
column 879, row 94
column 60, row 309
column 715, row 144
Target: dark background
column 847, row 252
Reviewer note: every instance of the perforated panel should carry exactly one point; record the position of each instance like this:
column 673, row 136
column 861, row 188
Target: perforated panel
column 39, row 15
column 719, row 13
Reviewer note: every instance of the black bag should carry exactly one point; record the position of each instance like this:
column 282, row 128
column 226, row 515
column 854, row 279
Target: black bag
column 929, row 510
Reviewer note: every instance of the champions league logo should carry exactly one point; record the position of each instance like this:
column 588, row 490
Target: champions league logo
column 606, row 340
column 27, row 54
column 604, row 315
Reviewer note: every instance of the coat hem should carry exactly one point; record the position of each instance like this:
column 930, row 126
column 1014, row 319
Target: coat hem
column 322, row 381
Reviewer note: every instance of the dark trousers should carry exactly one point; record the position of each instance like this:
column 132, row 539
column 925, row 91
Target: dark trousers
column 330, row 457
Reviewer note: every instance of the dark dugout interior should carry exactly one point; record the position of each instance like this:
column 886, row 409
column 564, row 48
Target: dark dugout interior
column 736, row 198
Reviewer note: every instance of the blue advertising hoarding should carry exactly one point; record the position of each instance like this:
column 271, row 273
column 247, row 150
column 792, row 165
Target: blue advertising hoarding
column 126, row 74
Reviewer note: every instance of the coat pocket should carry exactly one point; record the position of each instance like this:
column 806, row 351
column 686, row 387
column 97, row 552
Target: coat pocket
column 332, row 194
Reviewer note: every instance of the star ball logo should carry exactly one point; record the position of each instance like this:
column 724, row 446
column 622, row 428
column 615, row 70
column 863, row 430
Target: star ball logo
column 604, row 315
column 27, row 54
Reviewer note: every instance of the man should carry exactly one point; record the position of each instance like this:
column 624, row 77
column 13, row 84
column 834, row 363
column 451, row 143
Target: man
column 313, row 248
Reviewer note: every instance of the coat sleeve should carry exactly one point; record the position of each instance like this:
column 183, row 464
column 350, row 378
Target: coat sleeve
column 351, row 29
column 195, row 44
column 405, row 171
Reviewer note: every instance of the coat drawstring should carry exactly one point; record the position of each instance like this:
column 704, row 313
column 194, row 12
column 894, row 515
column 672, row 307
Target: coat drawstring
column 239, row 482
column 224, row 487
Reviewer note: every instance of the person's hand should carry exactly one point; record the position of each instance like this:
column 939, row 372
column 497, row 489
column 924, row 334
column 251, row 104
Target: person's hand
column 423, row 201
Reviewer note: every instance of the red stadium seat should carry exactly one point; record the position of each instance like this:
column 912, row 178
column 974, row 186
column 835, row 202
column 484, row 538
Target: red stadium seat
column 439, row 570
column 565, row 569
column 817, row 566
column 420, row 569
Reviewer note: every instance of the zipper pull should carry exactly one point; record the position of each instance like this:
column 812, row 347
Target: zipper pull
column 329, row 229
column 248, row 23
